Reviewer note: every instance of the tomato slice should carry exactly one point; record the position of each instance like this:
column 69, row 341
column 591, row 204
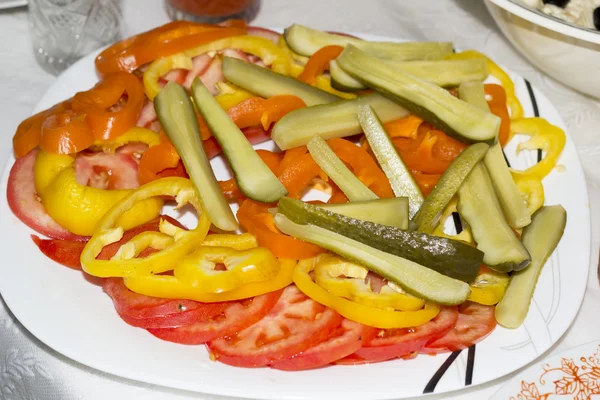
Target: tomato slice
column 152, row 312
column 345, row 340
column 475, row 322
column 107, row 171
column 393, row 343
column 237, row 316
column 295, row 324
column 25, row 204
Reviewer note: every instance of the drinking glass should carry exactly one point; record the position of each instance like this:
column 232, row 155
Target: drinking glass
column 62, row 31
column 212, row 11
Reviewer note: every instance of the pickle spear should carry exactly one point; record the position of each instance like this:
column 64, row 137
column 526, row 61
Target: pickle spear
column 307, row 41
column 401, row 179
column 447, row 256
column 430, row 102
column 540, row 238
column 177, row 116
column 428, row 216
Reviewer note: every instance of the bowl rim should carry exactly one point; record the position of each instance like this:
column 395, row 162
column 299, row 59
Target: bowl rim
column 548, row 21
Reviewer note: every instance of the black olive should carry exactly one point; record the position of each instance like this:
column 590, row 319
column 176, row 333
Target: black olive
column 557, row 3
column 597, row 18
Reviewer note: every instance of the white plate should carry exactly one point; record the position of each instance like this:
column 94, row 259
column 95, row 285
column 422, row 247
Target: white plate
column 73, row 316
column 6, row 4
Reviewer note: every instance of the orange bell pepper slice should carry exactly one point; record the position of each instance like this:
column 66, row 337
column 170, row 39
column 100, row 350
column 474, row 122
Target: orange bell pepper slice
column 406, row 127
column 28, row 134
column 363, row 165
column 106, row 114
column 299, row 174
column 426, row 182
column 498, row 106
column 257, row 220
column 259, row 111
column 156, row 159
column 174, row 37
column 290, row 156
column 65, row 132
column 319, row 62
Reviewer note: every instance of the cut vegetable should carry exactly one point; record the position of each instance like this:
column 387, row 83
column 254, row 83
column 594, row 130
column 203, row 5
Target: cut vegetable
column 428, row 216
column 446, row 73
column 401, row 179
column 330, row 163
column 412, row 277
column 430, row 102
column 479, row 206
column 390, row 212
column 513, row 205
column 267, row 83
column 253, row 176
column 449, row 257
column 540, row 238
column 307, row 41
column 177, row 116
column 330, row 121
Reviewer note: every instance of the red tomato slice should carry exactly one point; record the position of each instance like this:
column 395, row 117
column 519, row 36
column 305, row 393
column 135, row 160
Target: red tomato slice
column 475, row 322
column 147, row 115
column 25, row 204
column 345, row 340
column 237, row 316
column 295, row 324
column 393, row 343
column 152, row 312
column 199, row 65
column 107, row 171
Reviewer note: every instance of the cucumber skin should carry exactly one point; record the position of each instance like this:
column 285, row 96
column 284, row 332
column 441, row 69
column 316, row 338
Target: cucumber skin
column 449, row 257
column 513, row 308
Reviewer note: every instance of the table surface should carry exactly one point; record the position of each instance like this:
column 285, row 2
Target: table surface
column 30, row 370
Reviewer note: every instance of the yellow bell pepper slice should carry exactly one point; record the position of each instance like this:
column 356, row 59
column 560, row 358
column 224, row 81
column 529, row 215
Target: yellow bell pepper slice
column 77, row 207
column 245, row 241
column 170, row 287
column 297, row 58
column 465, row 235
column 231, row 95
column 371, row 316
column 353, row 285
column 133, row 135
column 531, row 189
column 544, row 136
column 241, row 267
column 109, row 231
column 489, row 287
column 260, row 47
column 516, row 109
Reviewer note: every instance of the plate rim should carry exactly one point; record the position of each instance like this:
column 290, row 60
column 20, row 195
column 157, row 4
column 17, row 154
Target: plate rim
column 239, row 392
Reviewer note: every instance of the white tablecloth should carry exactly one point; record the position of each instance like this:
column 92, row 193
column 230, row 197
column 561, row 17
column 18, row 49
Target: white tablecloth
column 29, row 370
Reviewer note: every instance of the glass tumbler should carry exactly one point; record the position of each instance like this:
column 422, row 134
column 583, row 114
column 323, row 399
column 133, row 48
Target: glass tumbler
column 212, row 11
column 62, row 31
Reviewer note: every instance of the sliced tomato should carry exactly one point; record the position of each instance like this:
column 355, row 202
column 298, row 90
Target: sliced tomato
column 25, row 204
column 147, row 115
column 134, row 150
column 107, row 171
column 65, row 252
column 475, row 322
column 295, row 324
column 236, row 317
column 394, row 343
column 199, row 66
column 264, row 33
column 152, row 312
column 345, row 340
column 212, row 75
